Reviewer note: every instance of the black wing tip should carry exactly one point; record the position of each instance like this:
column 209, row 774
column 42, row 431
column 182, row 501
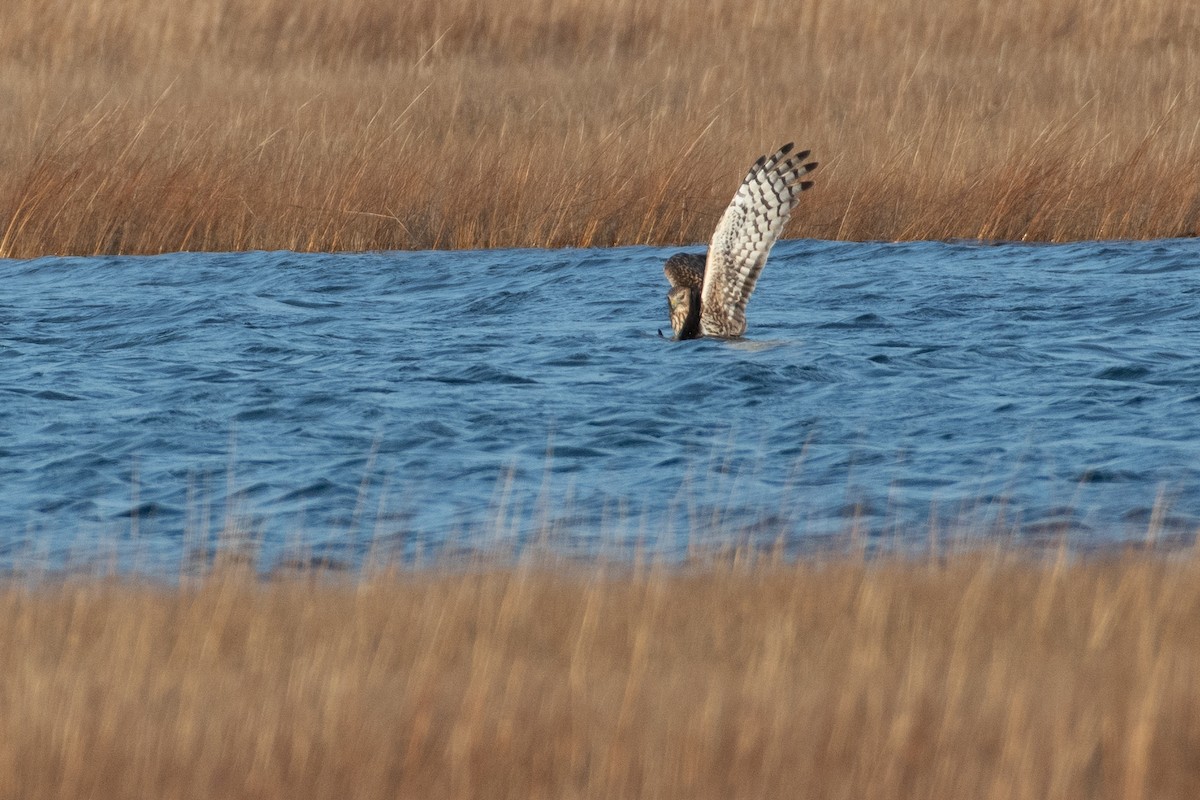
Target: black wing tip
column 806, row 185
column 790, row 164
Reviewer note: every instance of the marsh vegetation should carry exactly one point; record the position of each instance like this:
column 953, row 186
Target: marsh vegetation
column 978, row 674
column 135, row 126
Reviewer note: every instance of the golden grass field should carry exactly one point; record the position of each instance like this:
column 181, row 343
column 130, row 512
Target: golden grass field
column 977, row 675
column 139, row 126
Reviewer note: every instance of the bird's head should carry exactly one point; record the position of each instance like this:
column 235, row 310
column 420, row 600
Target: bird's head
column 684, row 306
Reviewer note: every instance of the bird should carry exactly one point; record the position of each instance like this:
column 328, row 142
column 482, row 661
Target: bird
column 708, row 294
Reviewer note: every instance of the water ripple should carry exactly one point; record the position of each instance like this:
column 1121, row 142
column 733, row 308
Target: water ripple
column 412, row 397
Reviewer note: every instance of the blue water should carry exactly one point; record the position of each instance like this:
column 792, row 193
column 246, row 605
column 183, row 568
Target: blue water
column 328, row 402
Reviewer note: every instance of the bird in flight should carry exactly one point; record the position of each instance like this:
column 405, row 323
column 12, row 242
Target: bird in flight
column 708, row 296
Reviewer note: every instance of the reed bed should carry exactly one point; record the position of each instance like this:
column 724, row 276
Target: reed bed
column 136, row 126
column 994, row 674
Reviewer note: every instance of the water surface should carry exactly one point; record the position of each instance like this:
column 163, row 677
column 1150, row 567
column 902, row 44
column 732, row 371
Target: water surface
column 328, row 401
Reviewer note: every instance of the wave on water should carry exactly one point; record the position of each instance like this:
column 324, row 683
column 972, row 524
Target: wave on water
column 339, row 399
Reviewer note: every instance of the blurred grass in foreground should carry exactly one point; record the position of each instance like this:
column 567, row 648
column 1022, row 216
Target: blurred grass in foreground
column 134, row 126
column 997, row 673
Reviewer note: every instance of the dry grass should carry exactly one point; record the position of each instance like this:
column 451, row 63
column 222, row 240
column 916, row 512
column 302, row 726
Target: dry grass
column 142, row 126
column 980, row 676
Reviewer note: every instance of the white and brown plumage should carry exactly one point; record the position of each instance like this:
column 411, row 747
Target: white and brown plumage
column 708, row 296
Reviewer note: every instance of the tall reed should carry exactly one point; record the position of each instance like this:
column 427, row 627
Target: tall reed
column 136, row 126
column 978, row 675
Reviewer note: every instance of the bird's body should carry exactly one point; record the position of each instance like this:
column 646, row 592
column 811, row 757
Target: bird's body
column 708, row 295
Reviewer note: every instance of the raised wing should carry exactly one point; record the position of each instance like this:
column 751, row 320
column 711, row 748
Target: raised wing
column 685, row 269
column 744, row 236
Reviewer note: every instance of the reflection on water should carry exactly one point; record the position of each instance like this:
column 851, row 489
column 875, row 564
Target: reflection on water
column 336, row 400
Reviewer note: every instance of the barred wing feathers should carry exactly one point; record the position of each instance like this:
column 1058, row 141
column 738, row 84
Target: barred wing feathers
column 744, row 237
